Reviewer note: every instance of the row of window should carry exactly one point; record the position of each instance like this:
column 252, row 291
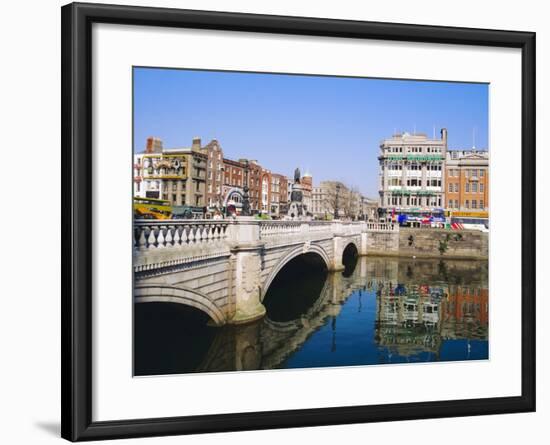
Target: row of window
column 398, row 166
column 412, row 149
column 469, row 173
column 473, row 187
column 473, row 204
column 413, row 182
column 430, row 201
column 198, row 199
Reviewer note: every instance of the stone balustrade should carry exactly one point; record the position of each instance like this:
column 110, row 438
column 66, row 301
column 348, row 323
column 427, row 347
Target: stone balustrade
column 173, row 233
column 178, row 233
column 381, row 226
column 276, row 228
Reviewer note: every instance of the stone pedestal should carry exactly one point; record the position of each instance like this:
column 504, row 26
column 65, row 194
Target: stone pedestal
column 296, row 209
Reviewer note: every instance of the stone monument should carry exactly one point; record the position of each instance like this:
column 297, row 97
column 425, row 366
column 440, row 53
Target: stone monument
column 297, row 209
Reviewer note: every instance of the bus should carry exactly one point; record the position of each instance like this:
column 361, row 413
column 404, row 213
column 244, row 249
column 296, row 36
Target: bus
column 476, row 220
column 152, row 208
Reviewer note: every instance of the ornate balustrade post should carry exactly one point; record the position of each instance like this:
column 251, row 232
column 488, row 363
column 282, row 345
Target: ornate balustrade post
column 246, row 249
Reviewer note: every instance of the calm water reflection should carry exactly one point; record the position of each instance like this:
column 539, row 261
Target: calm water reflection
column 378, row 310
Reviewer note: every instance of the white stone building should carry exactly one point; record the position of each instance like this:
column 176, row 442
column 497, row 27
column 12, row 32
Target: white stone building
column 412, row 173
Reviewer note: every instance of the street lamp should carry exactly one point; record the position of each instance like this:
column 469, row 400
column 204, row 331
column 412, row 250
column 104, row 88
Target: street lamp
column 245, row 210
column 336, row 210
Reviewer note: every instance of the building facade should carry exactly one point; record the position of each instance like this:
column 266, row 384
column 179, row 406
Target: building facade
column 278, row 197
column 307, row 189
column 200, row 176
column 330, row 197
column 412, row 173
column 467, row 183
column 176, row 175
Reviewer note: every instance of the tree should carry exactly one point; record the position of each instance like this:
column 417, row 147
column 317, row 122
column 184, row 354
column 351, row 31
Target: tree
column 337, row 195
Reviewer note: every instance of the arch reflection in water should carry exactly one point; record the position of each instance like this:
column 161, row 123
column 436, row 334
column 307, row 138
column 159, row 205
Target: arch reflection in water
column 378, row 310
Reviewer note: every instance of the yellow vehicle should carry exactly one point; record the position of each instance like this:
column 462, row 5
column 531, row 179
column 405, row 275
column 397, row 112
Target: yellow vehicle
column 151, row 208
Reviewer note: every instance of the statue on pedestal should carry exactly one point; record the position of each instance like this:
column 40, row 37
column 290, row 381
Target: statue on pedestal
column 245, row 211
column 296, row 209
column 297, row 176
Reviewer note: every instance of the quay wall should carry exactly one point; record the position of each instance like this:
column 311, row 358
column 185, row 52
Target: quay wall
column 430, row 243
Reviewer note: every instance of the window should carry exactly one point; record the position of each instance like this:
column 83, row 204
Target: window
column 456, row 187
column 474, row 204
column 395, row 181
column 474, row 187
column 481, row 204
column 467, row 205
column 481, row 173
column 451, row 187
column 481, row 188
column 467, row 187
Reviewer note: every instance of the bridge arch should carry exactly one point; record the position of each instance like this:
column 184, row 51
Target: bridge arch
column 350, row 246
column 300, row 250
column 161, row 293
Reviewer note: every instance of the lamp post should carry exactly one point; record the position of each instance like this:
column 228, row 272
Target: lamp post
column 336, row 210
column 245, row 211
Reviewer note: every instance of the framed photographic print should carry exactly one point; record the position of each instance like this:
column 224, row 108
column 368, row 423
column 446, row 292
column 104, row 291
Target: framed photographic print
column 278, row 222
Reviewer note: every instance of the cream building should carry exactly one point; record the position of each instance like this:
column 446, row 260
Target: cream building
column 412, row 173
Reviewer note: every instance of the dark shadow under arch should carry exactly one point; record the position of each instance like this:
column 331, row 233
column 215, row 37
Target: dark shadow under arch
column 296, row 287
column 350, row 256
column 163, row 293
column 170, row 338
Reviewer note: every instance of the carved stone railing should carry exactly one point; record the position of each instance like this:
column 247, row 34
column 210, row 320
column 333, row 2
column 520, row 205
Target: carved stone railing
column 167, row 243
column 184, row 233
column 381, row 227
column 277, row 228
column 178, row 233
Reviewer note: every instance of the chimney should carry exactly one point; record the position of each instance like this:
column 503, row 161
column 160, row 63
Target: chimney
column 444, row 135
column 154, row 145
column 196, row 144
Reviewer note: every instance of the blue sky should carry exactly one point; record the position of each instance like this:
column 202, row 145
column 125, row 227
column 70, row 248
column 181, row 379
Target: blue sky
column 329, row 126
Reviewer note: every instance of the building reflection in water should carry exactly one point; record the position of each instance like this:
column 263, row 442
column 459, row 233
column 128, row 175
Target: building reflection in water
column 379, row 310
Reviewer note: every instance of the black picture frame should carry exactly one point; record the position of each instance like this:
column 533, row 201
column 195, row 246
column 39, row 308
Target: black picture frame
column 76, row 129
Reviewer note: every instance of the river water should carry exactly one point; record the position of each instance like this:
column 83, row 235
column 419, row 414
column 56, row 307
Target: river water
column 377, row 311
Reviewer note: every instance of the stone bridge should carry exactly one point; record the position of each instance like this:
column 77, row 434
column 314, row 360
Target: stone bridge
column 225, row 267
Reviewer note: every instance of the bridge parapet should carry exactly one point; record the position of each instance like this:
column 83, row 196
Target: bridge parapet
column 381, row 227
column 170, row 233
column 162, row 244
